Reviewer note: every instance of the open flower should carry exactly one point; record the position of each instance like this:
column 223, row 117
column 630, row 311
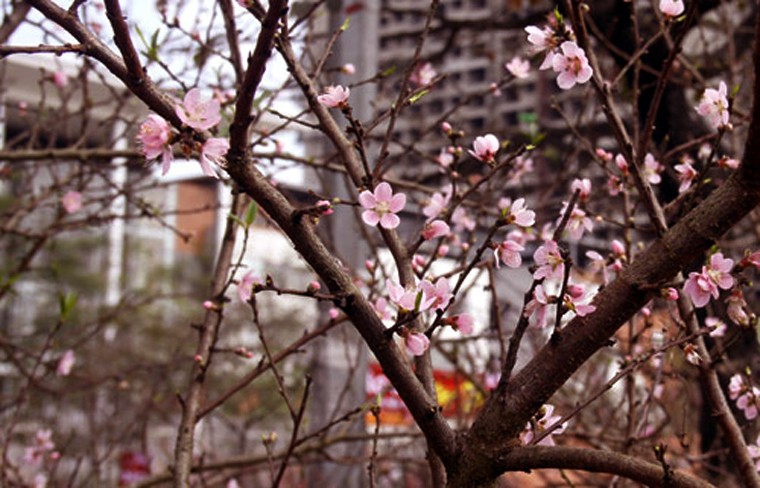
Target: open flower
column 551, row 264
column 198, row 114
column 484, row 148
column 516, row 213
column 381, row 206
column 508, row 252
column 686, row 175
column 213, row 151
column 434, row 229
column 334, row 97
column 246, row 284
column 423, row 74
column 518, row 67
column 652, row 169
column 154, row 136
column 462, row 322
column 572, row 65
column 438, row 294
column 714, row 106
column 701, row 286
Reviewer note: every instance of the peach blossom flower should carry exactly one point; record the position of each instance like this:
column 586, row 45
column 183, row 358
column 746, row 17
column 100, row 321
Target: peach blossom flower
column 381, row 206
column 334, row 97
column 198, row 114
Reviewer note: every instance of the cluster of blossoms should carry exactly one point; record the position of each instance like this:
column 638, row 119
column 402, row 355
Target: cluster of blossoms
column 563, row 55
column 615, row 260
column 156, row 138
column 508, row 252
column 421, row 297
column 651, row 170
column 550, row 269
column 705, row 284
column 745, row 395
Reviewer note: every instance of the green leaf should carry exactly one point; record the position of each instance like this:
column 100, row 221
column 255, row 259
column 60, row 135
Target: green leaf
column 66, row 303
column 237, row 220
column 388, row 72
column 250, row 213
column 345, row 25
column 417, row 96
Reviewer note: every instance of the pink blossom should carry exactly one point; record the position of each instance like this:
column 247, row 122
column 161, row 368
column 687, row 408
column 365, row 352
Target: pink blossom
column 622, row 164
column 445, row 158
column 520, row 236
column 605, row 156
column 246, row 284
column 576, row 294
column 72, row 201
column 543, row 420
column 42, row 443
column 550, row 263
column 434, row 229
column 652, row 169
column 66, row 363
column 462, row 220
column 416, row 343
column 213, row 151
column 154, row 136
column 737, row 308
column 718, row 326
column 404, row 298
column 701, row 286
column 60, row 79
column 577, row 224
column 572, row 66
column 539, row 305
column 40, row 481
column 438, row 295
column 686, row 174
column 333, row 313
column 598, row 264
column 381, row 309
column 325, row 207
column 671, row 294
column 714, row 106
column 671, row 8
column 508, row 252
column 494, row 89
column 518, row 67
column 618, row 248
column 583, row 187
column 692, row 354
column 462, row 322
column 728, row 163
column 614, row 185
column 334, row 97
column 745, row 395
column 209, row 305
column 543, row 40
column 437, row 204
column 200, row 115
column 423, row 74
column 484, row 148
column 381, row 206
column 515, row 212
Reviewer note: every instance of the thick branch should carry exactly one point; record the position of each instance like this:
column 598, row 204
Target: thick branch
column 596, row 461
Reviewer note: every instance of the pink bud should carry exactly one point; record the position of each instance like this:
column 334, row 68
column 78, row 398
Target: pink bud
column 348, row 69
column 417, row 343
column 443, row 250
column 618, row 248
column 436, row 228
column 446, row 127
column 198, row 359
column 418, row 260
column 369, row 265
column 60, row 79
column 671, row 294
column 333, row 313
column 326, row 207
column 313, row 287
column 209, row 305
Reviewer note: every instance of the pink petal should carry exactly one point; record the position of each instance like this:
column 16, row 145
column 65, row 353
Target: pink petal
column 370, row 217
column 389, row 221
